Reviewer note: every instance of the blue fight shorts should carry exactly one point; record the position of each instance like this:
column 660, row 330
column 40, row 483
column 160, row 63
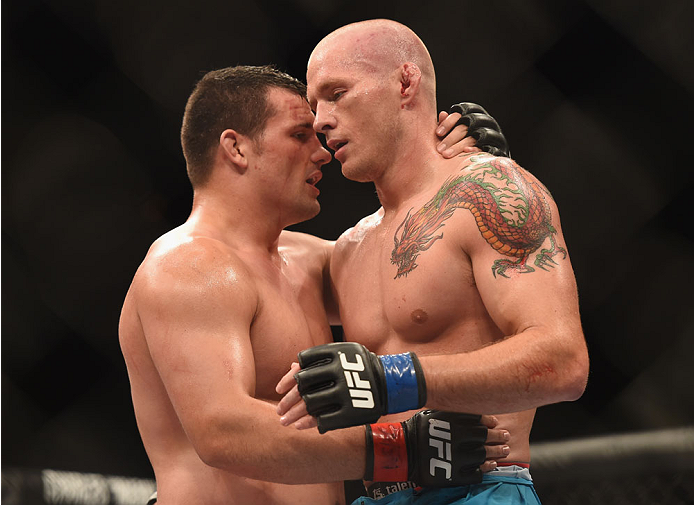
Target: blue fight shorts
column 506, row 485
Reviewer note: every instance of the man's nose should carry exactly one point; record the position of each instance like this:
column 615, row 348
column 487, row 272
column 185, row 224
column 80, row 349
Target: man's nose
column 321, row 156
column 324, row 120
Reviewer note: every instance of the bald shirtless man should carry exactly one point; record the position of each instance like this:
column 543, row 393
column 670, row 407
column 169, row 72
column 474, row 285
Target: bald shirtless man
column 459, row 286
column 221, row 305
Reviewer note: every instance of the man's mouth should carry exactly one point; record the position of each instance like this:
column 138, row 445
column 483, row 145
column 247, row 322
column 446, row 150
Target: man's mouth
column 336, row 145
column 314, row 177
column 339, row 153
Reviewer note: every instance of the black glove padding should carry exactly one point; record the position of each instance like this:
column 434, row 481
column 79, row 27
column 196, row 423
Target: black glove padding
column 446, row 448
column 482, row 127
column 342, row 384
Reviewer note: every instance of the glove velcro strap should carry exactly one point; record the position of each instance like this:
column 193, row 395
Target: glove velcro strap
column 386, row 453
column 404, row 382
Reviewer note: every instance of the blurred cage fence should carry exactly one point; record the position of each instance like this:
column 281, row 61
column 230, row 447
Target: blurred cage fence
column 649, row 468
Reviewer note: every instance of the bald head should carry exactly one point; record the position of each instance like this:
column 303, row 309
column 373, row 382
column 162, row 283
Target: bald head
column 378, row 46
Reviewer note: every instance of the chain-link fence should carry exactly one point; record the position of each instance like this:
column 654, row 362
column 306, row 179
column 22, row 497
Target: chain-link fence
column 657, row 489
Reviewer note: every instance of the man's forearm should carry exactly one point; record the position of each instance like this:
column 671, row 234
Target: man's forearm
column 523, row 371
column 535, row 367
column 253, row 444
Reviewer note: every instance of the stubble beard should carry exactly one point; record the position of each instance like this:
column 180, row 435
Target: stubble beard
column 359, row 170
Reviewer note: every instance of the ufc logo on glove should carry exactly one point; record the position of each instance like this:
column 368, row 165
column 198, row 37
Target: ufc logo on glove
column 439, row 432
column 359, row 390
column 344, row 384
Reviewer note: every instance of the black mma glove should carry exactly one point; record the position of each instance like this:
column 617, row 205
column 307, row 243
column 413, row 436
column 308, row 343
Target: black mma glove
column 482, row 127
column 432, row 448
column 344, row 384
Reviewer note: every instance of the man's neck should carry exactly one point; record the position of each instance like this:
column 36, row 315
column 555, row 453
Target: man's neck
column 235, row 223
column 411, row 173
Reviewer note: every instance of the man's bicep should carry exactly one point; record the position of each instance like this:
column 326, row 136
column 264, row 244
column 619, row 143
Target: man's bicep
column 528, row 284
column 198, row 336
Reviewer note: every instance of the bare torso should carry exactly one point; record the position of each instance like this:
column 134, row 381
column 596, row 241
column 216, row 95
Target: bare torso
column 289, row 317
column 434, row 308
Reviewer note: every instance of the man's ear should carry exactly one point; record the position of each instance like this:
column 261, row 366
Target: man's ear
column 234, row 148
column 410, row 80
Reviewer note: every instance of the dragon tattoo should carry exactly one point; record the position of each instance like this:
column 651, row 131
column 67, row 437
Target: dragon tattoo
column 510, row 208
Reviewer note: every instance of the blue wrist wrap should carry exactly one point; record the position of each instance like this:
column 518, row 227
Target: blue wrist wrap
column 401, row 382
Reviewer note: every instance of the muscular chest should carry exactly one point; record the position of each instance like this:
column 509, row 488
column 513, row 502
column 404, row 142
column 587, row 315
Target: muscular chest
column 291, row 318
column 389, row 300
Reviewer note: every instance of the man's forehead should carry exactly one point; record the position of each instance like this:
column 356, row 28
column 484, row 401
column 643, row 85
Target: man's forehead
column 333, row 63
column 290, row 105
column 325, row 76
column 329, row 55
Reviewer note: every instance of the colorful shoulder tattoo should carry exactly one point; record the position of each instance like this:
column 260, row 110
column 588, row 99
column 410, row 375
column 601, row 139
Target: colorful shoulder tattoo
column 511, row 210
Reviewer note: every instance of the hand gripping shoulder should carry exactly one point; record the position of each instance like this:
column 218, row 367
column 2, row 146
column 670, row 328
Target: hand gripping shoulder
column 483, row 128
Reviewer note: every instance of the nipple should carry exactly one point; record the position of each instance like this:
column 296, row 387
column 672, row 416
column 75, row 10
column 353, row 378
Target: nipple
column 419, row 316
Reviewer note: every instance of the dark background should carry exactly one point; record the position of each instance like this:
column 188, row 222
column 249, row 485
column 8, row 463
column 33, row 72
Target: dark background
column 595, row 98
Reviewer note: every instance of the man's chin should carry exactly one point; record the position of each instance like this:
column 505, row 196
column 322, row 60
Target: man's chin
column 307, row 213
column 355, row 173
column 314, row 212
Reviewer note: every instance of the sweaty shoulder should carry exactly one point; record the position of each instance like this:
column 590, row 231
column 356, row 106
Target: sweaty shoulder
column 499, row 191
column 489, row 168
column 180, row 267
column 514, row 213
column 356, row 234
